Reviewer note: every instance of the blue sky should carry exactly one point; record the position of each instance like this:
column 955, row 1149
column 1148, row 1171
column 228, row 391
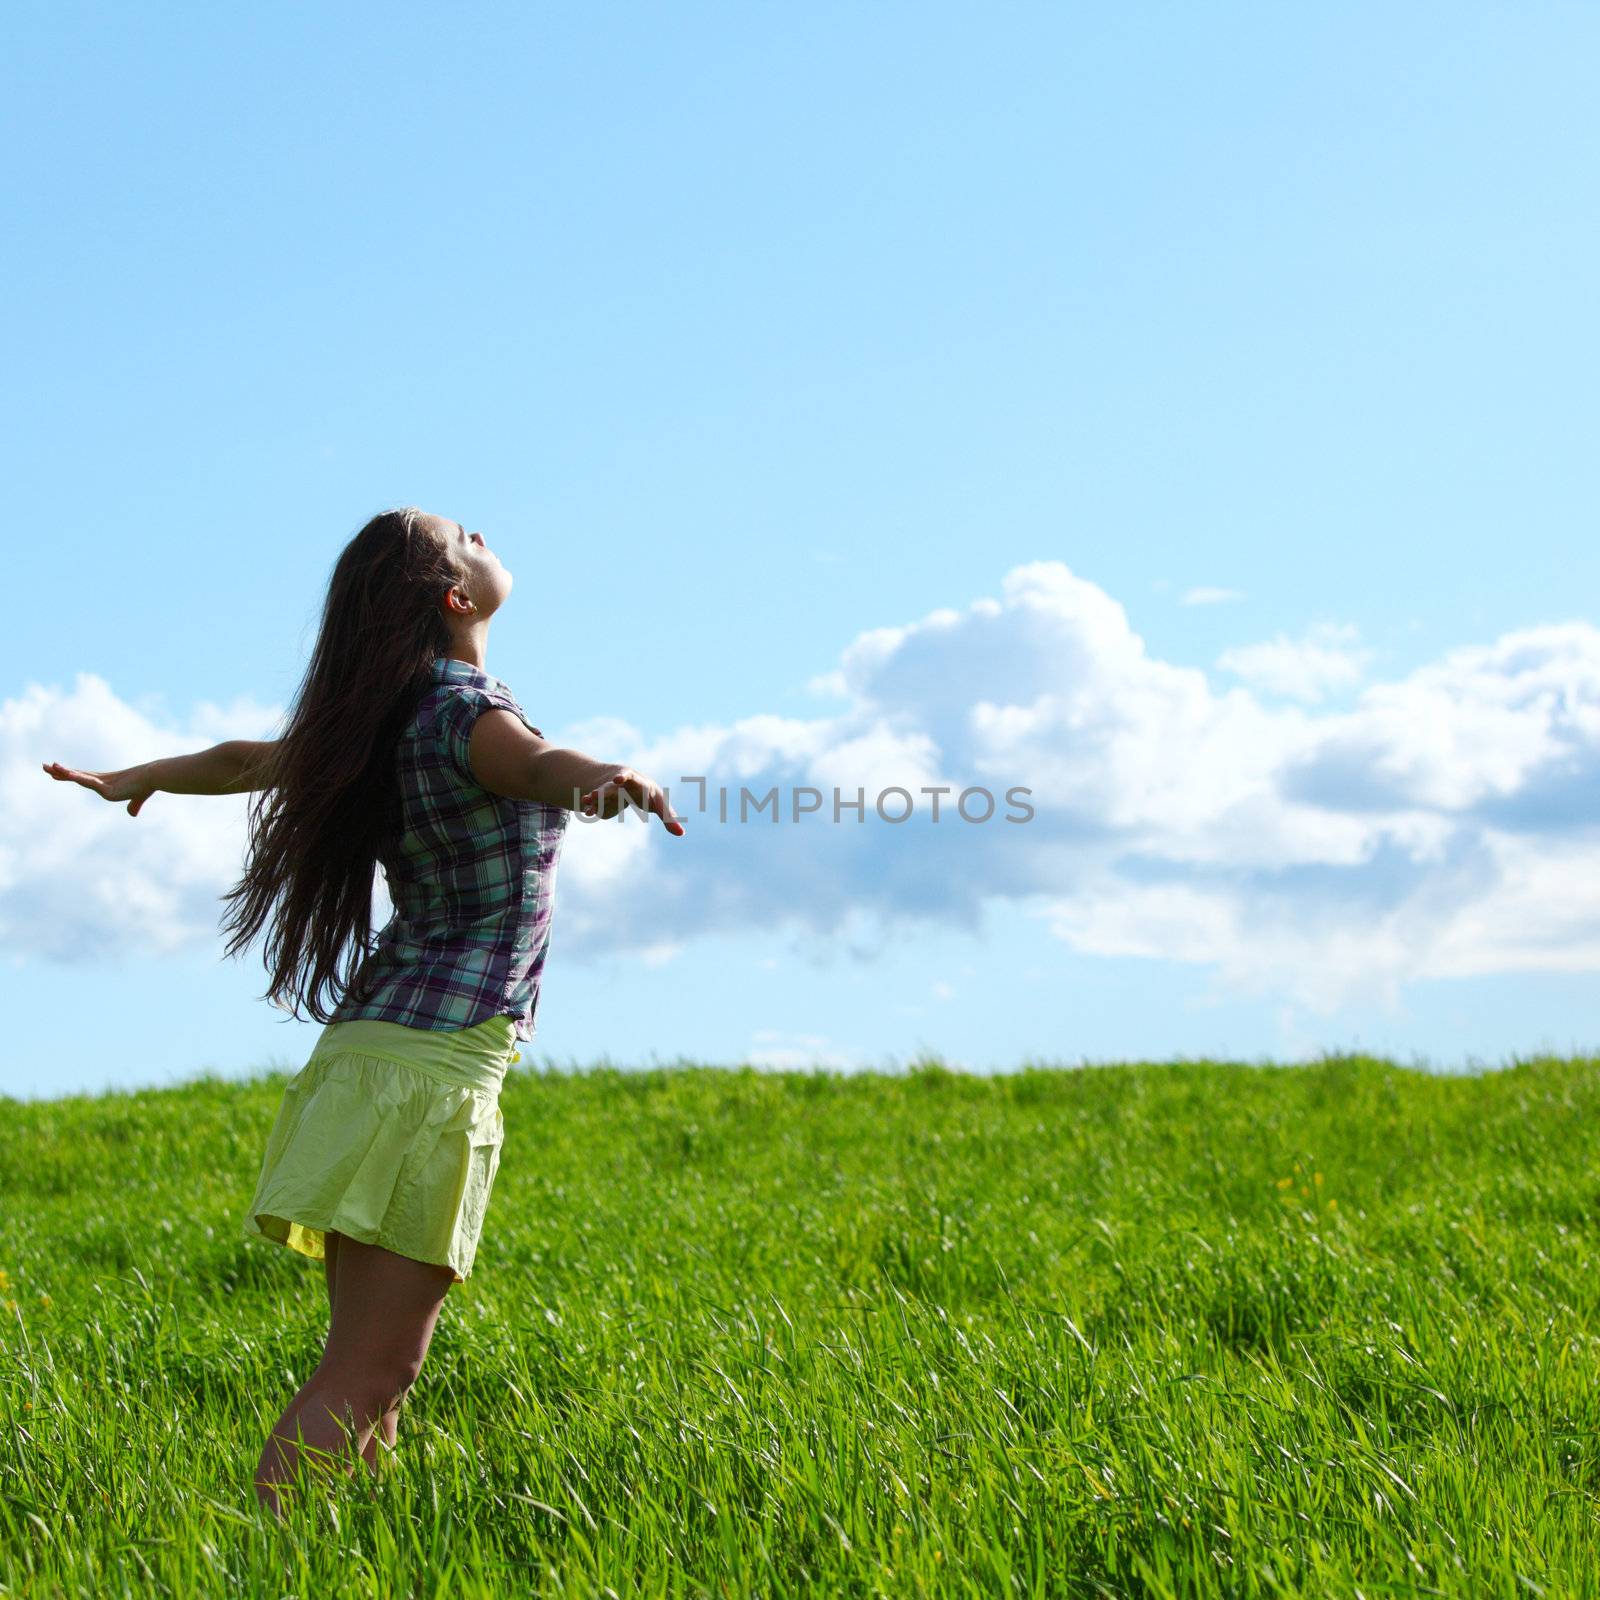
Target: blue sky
column 1223, row 375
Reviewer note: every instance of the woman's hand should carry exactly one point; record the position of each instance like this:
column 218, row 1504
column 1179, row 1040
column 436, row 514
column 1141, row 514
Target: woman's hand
column 131, row 783
column 607, row 800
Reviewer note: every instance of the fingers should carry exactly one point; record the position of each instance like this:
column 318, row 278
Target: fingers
column 89, row 780
column 669, row 818
column 641, row 791
column 108, row 785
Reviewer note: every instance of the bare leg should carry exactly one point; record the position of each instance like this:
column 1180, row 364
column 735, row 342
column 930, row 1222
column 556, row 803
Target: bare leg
column 389, row 1422
column 384, row 1311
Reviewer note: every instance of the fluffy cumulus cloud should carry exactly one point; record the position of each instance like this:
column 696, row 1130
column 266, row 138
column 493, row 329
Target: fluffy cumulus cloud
column 1438, row 825
column 81, row 880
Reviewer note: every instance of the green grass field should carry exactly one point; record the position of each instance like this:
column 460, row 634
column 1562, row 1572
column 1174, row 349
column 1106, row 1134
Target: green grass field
column 1200, row 1329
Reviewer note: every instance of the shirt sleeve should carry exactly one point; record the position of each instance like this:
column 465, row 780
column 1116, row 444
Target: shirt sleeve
column 459, row 713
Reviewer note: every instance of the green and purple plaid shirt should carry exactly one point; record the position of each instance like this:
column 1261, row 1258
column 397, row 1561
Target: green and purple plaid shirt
column 473, row 882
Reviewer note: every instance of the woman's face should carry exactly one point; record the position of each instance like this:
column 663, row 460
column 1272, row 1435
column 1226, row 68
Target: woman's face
column 484, row 580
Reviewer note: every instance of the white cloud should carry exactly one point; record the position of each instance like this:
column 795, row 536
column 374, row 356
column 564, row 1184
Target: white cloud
column 81, row 880
column 660, row 953
column 827, row 683
column 1442, row 824
column 1305, row 669
column 798, row 1052
column 1207, row 596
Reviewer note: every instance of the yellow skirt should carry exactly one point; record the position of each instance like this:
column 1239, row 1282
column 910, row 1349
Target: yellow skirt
column 390, row 1135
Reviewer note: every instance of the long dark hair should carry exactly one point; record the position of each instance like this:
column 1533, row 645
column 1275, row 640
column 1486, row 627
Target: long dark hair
column 332, row 811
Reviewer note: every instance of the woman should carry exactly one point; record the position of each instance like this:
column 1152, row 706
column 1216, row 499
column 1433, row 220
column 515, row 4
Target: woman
column 400, row 748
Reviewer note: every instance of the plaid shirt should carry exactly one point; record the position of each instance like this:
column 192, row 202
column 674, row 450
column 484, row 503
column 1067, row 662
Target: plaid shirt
column 473, row 882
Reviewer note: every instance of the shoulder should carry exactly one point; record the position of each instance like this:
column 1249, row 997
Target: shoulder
column 449, row 713
column 498, row 696
column 456, row 701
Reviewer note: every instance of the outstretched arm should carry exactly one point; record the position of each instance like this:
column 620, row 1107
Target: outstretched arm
column 509, row 758
column 231, row 767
